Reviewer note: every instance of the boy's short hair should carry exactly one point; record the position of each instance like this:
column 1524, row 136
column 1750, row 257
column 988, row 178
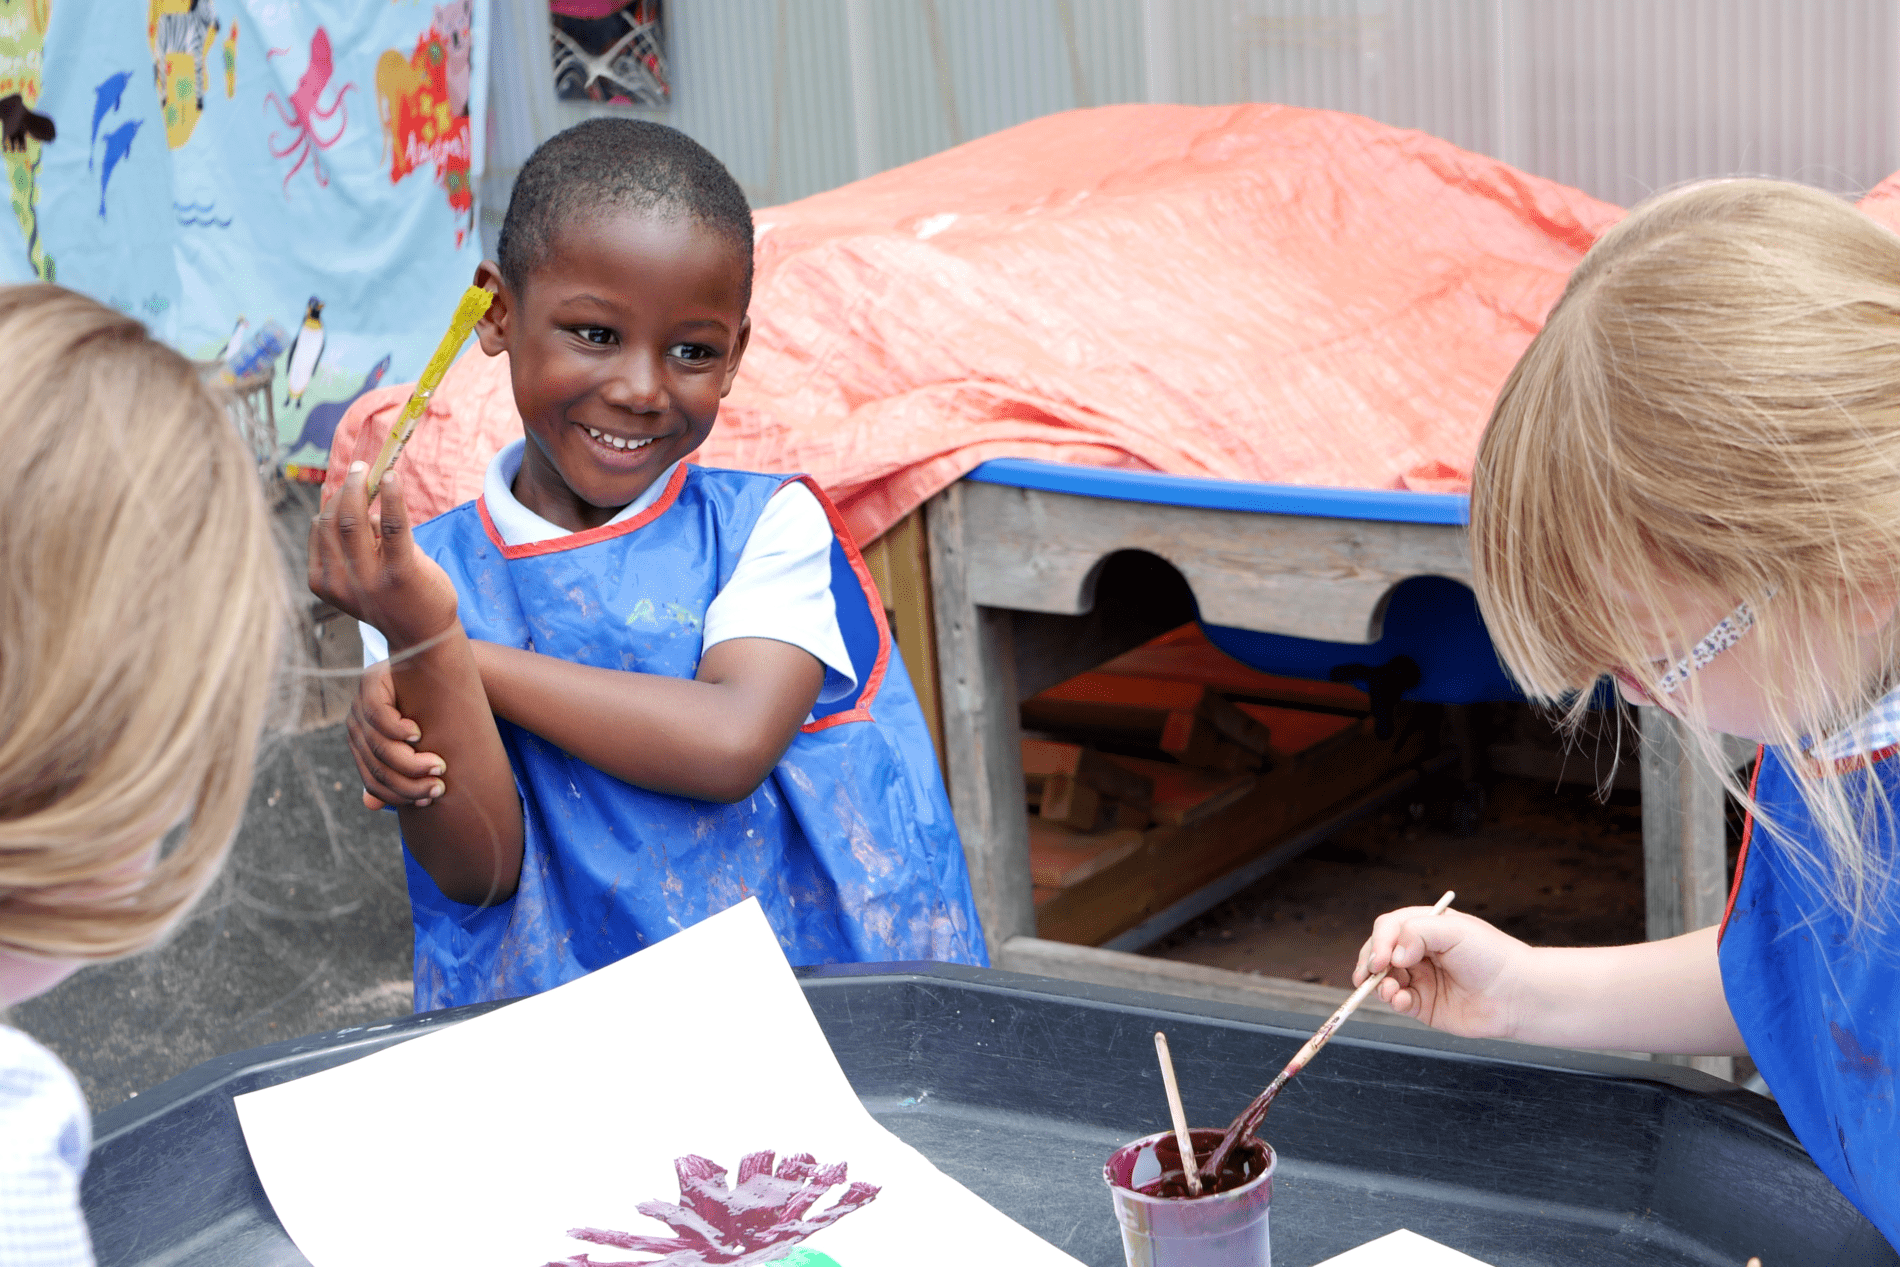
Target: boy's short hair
column 618, row 165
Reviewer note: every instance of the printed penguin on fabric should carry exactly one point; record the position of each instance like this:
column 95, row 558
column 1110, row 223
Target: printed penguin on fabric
column 305, row 352
column 225, row 160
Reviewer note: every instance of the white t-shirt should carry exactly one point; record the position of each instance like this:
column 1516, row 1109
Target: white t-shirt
column 44, row 1137
column 781, row 588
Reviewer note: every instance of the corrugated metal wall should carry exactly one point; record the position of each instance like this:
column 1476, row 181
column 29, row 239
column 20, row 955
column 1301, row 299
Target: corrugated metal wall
column 1647, row 93
column 1618, row 97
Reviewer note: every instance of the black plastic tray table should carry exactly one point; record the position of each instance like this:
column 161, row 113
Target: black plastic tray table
column 1019, row 1087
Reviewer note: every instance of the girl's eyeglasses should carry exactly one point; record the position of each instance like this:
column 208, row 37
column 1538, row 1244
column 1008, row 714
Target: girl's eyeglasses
column 1719, row 639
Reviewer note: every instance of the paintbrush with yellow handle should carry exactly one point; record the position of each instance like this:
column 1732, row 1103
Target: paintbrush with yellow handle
column 473, row 304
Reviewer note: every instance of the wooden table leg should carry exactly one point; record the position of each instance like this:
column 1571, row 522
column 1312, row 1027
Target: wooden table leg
column 1685, row 850
column 982, row 732
column 899, row 563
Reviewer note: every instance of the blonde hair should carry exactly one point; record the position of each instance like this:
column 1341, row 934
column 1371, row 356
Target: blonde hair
column 1713, row 405
column 142, row 608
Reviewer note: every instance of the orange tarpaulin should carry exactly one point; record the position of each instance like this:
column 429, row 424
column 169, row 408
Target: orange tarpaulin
column 1251, row 292
column 1882, row 202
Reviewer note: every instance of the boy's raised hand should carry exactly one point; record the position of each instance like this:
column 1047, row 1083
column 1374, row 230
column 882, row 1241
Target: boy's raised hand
column 382, row 741
column 469, row 840
column 367, row 564
column 1453, row 971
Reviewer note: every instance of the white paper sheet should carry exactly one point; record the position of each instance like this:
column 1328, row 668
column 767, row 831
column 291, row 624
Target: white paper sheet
column 1403, row 1249
column 483, row 1143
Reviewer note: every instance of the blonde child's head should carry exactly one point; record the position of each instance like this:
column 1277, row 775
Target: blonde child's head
column 142, row 606
column 1711, row 416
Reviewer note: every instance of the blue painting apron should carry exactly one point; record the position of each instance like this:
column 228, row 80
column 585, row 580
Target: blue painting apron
column 1818, row 1002
column 848, row 844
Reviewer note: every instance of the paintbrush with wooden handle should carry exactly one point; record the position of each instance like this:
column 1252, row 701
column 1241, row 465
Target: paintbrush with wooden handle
column 1190, row 1169
column 1249, row 1120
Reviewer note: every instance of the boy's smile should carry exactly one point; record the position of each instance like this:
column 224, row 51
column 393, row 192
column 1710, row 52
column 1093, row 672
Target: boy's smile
column 621, row 343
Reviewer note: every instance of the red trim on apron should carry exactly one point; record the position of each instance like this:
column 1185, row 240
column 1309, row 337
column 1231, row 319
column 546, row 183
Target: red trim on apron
column 592, row 536
column 1841, row 765
column 1859, row 761
column 1741, row 859
column 868, row 692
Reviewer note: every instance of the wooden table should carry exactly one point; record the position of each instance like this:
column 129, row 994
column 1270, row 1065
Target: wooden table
column 1031, row 585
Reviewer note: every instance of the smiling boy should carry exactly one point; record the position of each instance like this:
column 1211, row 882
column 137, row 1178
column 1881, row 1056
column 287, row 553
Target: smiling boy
column 627, row 692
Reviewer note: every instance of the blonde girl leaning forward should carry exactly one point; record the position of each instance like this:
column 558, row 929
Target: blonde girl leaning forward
column 1691, row 482
column 141, row 608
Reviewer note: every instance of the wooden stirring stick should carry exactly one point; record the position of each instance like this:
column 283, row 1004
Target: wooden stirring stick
column 1249, row 1120
column 1189, row 1167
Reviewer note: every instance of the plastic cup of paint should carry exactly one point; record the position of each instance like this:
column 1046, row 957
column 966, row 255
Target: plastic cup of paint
column 1217, row 1229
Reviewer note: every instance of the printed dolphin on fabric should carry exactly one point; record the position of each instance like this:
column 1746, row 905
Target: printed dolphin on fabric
column 118, row 147
column 105, row 99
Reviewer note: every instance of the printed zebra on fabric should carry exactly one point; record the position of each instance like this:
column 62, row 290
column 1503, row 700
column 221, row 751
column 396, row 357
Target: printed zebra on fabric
column 189, row 33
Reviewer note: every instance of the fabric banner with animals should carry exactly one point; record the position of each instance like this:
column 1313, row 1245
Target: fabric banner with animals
column 294, row 178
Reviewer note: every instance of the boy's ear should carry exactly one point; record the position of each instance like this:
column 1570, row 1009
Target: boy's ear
column 492, row 329
column 737, row 354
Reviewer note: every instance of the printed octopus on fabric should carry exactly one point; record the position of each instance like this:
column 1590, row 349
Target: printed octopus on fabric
column 305, row 109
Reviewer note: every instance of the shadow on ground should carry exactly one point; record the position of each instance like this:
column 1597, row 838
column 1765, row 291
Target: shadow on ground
column 307, row 930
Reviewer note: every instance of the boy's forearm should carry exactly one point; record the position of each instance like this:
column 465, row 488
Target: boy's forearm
column 470, row 839
column 680, row 736
column 1659, row 996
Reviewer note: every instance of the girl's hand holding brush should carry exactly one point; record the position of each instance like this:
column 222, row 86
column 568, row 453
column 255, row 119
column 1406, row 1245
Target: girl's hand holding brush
column 1248, row 1123
column 1459, row 974
column 1452, row 971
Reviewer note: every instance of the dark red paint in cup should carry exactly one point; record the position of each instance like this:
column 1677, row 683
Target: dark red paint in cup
column 1226, row 1227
